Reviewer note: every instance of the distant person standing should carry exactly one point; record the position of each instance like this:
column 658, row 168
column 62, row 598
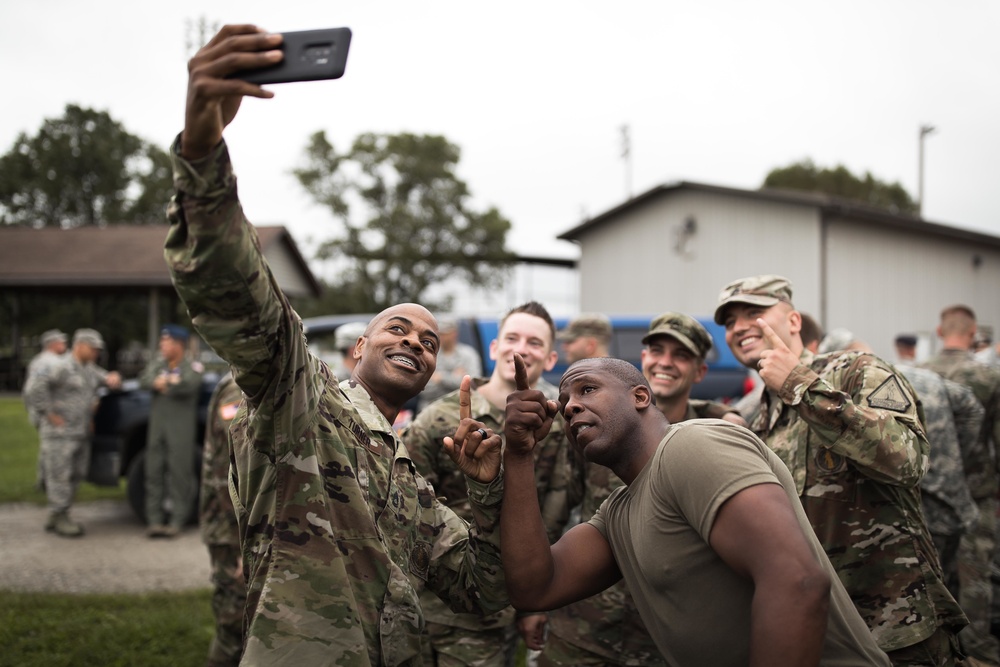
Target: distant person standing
column 586, row 337
column 53, row 348
column 345, row 339
column 63, row 393
column 220, row 530
column 455, row 361
column 173, row 421
column 956, row 362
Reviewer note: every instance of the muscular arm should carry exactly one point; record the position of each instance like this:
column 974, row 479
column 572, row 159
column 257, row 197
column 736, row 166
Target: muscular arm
column 757, row 535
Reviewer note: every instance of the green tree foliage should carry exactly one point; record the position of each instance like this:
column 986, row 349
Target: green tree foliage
column 840, row 182
column 83, row 168
column 417, row 227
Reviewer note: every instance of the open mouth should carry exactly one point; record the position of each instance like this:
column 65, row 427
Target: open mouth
column 404, row 360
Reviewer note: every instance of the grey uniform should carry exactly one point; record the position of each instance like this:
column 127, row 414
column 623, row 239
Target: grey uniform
column 953, row 418
column 66, row 388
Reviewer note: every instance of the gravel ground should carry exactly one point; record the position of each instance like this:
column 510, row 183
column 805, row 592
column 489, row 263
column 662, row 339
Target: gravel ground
column 114, row 556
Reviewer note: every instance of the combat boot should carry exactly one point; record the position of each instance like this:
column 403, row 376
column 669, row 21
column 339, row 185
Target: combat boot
column 66, row 527
column 50, row 523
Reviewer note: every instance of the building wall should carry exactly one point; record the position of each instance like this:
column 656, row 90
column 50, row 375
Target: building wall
column 286, row 270
column 643, row 262
column 885, row 281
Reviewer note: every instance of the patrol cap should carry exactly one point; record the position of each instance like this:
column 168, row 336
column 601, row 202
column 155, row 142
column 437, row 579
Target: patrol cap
column 347, row 335
column 838, row 339
column 447, row 326
column 684, row 329
column 587, row 324
column 175, row 331
column 91, row 337
column 51, row 336
column 765, row 290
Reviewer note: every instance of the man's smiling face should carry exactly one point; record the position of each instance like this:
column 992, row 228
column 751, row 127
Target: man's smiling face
column 746, row 339
column 399, row 351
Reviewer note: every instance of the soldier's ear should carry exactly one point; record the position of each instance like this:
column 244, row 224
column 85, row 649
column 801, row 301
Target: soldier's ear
column 641, row 396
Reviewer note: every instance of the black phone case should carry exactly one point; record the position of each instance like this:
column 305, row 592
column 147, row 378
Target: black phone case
column 310, row 55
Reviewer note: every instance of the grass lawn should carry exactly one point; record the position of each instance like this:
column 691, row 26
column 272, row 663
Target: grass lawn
column 19, row 458
column 154, row 630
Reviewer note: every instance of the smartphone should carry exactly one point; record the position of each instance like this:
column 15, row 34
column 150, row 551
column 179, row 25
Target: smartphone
column 310, row 55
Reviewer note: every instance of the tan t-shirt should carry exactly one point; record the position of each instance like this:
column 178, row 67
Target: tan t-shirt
column 696, row 608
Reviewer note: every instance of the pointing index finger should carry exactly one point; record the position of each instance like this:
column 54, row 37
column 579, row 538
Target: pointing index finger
column 520, row 374
column 770, row 336
column 465, row 398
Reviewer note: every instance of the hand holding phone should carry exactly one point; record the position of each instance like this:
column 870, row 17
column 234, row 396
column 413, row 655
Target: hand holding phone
column 309, row 55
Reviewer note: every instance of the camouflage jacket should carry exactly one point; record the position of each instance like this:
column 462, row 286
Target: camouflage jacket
column 173, row 414
column 216, row 516
column 608, row 624
column 981, row 465
column 849, row 429
column 333, row 517
column 555, row 479
column 953, row 418
column 40, row 365
column 67, row 388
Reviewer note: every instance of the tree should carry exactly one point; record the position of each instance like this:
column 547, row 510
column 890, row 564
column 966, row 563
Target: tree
column 418, row 226
column 83, row 168
column 840, row 182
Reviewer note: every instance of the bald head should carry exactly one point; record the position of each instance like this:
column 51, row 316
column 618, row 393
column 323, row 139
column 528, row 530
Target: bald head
column 626, row 373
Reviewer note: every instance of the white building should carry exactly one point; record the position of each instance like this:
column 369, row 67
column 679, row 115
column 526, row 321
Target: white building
column 875, row 273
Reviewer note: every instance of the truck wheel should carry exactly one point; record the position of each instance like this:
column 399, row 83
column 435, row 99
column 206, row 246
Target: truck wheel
column 136, row 485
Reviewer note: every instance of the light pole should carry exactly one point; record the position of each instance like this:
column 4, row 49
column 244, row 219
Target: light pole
column 924, row 131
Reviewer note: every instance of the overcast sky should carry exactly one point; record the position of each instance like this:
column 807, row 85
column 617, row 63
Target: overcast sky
column 535, row 94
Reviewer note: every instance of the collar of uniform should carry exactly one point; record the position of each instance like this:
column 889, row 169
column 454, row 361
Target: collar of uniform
column 480, row 406
column 363, row 403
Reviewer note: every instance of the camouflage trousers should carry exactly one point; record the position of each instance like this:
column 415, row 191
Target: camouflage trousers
column 975, row 561
column 64, row 462
column 938, row 650
column 560, row 653
column 448, row 646
column 229, row 596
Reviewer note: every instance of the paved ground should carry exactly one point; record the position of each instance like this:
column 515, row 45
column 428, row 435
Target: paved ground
column 114, row 556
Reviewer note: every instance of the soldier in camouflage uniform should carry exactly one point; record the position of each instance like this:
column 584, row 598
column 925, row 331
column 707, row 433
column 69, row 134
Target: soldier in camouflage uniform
column 64, row 394
column 606, row 629
column 53, row 347
column 175, row 382
column 466, row 639
column 975, row 553
column 849, row 429
column 219, row 530
column 333, row 517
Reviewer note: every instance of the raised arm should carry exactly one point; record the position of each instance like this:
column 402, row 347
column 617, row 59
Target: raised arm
column 540, row 577
column 874, row 422
column 757, row 535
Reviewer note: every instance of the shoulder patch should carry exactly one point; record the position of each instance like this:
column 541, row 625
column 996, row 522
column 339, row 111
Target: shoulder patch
column 228, row 411
column 890, row 396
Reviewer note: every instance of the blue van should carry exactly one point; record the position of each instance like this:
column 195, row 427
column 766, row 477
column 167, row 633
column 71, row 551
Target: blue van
column 726, row 380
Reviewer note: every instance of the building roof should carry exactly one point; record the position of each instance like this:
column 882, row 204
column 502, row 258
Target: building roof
column 828, row 205
column 120, row 256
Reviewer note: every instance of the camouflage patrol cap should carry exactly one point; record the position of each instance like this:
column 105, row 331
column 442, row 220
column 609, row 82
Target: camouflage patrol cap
column 587, row 324
column 347, row 335
column 91, row 337
column 682, row 328
column 765, row 290
column 51, row 336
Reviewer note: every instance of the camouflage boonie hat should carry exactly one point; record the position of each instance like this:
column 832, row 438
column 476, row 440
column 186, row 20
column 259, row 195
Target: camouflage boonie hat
column 347, row 335
column 765, row 290
column 682, row 328
column 89, row 336
column 588, row 324
column 51, row 336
